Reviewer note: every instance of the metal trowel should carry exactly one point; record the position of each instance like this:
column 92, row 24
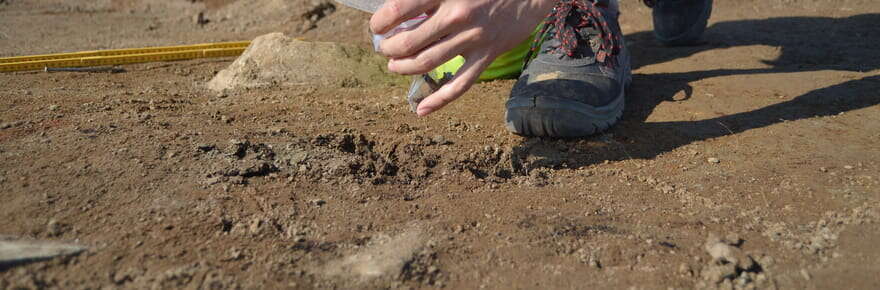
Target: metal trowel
column 422, row 85
column 16, row 252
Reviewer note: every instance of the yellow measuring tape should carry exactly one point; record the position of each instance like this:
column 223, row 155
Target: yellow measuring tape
column 122, row 56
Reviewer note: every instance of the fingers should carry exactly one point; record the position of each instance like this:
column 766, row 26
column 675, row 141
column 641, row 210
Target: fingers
column 436, row 27
column 410, row 42
column 463, row 81
column 395, row 12
column 434, row 55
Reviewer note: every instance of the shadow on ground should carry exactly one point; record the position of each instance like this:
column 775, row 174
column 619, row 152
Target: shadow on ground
column 806, row 43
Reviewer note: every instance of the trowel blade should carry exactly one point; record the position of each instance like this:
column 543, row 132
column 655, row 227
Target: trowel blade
column 14, row 252
column 369, row 6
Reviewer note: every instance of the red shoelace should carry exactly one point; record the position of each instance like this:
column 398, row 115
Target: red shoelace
column 567, row 19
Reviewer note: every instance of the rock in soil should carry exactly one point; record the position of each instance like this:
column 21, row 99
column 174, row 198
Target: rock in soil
column 387, row 256
column 275, row 59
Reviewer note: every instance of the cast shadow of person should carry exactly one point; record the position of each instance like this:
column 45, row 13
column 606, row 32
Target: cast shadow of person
column 806, row 44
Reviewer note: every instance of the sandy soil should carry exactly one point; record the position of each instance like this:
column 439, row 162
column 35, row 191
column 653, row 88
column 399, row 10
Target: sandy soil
column 751, row 161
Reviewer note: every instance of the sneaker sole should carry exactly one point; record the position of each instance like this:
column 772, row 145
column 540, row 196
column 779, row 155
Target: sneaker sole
column 564, row 118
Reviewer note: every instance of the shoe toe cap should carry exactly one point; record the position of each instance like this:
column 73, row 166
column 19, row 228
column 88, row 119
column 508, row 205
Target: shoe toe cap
column 681, row 22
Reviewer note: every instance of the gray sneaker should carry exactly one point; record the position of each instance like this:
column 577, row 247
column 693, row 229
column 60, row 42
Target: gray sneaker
column 679, row 22
column 574, row 86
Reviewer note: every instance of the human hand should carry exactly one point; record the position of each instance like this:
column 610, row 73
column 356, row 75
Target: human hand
column 478, row 30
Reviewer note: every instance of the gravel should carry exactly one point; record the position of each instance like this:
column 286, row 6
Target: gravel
column 730, row 267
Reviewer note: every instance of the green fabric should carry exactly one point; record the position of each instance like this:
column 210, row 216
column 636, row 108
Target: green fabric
column 506, row 65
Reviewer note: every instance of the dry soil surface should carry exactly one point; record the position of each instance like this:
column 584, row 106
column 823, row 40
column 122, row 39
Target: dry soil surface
column 750, row 161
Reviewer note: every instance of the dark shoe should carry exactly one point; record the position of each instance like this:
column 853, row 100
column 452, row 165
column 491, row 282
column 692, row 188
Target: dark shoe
column 680, row 22
column 574, row 87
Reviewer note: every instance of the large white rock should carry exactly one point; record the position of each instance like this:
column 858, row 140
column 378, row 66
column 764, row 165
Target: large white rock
column 278, row 60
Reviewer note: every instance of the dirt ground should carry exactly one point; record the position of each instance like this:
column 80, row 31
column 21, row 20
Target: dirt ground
column 751, row 161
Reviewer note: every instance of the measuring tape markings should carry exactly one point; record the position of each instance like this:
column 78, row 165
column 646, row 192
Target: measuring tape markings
column 122, row 56
column 125, row 51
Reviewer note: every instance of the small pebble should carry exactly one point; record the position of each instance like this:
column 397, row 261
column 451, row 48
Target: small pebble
column 684, row 269
column 200, row 19
column 594, row 263
column 277, row 131
column 440, row 140
column 713, row 160
column 205, row 147
column 806, row 274
column 318, row 202
column 760, row 277
column 54, row 228
column 848, row 167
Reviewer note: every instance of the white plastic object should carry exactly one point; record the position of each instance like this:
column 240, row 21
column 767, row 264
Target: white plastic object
column 405, row 26
column 370, row 6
